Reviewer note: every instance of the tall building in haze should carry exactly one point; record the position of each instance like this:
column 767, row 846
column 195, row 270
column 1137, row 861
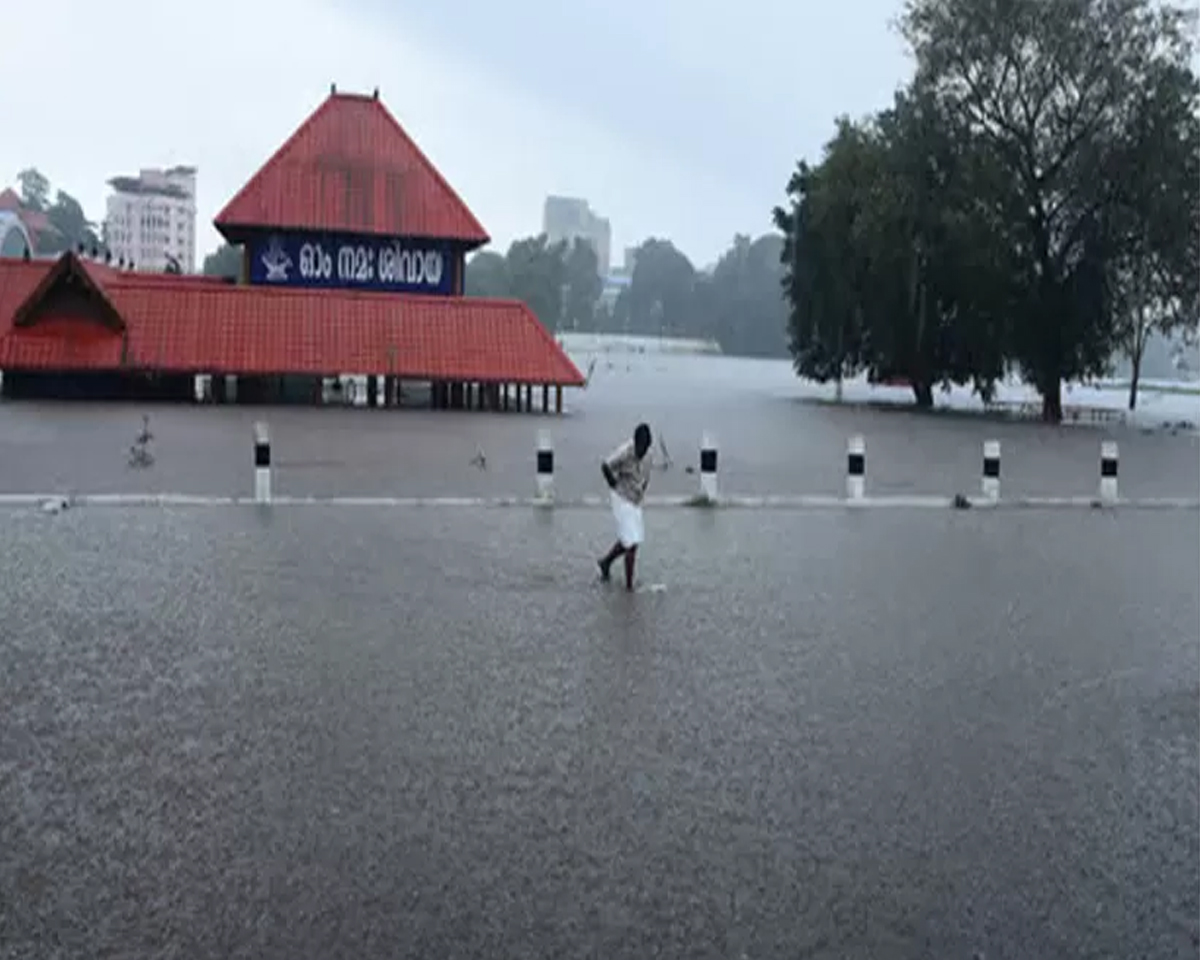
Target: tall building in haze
column 151, row 218
column 568, row 218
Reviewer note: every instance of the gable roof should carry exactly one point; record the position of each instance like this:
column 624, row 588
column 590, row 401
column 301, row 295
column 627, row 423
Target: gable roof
column 68, row 271
column 186, row 325
column 351, row 168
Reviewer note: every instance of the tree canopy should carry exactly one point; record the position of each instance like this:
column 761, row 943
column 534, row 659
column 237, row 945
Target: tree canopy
column 69, row 225
column 739, row 303
column 225, row 261
column 1028, row 201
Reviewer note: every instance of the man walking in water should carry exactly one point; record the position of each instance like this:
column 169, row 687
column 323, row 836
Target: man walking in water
column 627, row 472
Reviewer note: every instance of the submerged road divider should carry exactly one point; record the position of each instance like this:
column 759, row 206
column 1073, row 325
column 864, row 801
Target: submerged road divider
column 54, row 502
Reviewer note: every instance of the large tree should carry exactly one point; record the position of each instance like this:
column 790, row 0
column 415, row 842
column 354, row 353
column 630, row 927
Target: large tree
column 824, row 266
column 583, row 286
column 487, row 275
column 35, row 189
column 741, row 303
column 537, row 275
column 1155, row 273
column 71, row 226
column 1050, row 93
column 661, row 291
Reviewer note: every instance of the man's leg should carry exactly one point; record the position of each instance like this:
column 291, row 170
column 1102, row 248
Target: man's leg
column 630, row 560
column 609, row 558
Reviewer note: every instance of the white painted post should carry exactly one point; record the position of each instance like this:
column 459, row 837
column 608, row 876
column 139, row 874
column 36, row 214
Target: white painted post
column 545, row 465
column 262, row 464
column 991, row 470
column 1108, row 471
column 856, row 468
column 708, row 467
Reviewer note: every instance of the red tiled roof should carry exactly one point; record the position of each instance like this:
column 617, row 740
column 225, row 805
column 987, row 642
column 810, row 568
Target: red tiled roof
column 350, row 167
column 9, row 200
column 180, row 324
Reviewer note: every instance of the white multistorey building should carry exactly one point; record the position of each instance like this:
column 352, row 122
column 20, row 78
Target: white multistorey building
column 565, row 219
column 151, row 219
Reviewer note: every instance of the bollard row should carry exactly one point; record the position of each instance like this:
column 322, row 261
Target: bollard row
column 856, row 468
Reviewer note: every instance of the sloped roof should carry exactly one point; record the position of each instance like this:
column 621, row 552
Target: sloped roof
column 350, row 167
column 182, row 324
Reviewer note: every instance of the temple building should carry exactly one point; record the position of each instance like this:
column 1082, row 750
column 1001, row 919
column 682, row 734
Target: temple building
column 353, row 257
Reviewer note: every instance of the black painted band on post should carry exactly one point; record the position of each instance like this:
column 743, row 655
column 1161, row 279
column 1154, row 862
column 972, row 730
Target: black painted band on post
column 991, row 467
column 1108, row 467
column 545, row 461
column 708, row 461
column 262, row 455
column 856, row 464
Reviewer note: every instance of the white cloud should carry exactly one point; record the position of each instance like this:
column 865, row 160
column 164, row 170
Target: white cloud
column 136, row 83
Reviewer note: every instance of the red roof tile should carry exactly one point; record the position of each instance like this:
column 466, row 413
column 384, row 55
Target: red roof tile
column 9, row 200
column 181, row 325
column 350, row 167
column 89, row 281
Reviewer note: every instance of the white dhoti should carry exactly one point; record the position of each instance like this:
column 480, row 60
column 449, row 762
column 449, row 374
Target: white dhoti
column 630, row 529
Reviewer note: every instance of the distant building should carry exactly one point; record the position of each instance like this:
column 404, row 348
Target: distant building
column 37, row 227
column 568, row 218
column 613, row 284
column 14, row 236
column 151, row 219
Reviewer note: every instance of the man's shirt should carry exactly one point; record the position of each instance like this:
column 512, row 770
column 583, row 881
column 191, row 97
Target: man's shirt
column 632, row 474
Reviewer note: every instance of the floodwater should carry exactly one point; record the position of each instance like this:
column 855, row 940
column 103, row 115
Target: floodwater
column 324, row 732
column 769, row 443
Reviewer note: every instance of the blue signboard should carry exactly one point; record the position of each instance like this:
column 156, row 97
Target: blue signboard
column 352, row 262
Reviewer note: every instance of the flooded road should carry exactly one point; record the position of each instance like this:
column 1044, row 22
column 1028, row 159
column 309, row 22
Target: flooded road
column 354, row 732
column 360, row 732
column 769, row 443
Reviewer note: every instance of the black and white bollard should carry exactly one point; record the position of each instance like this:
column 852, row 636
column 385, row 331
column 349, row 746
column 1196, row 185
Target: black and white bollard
column 708, row 467
column 262, row 464
column 1108, row 471
column 545, row 465
column 856, row 468
column 991, row 470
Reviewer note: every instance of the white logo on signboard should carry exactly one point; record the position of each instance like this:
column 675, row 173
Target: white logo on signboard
column 277, row 261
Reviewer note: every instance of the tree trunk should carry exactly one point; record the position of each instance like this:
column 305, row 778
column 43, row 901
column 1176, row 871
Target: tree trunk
column 924, row 394
column 1135, row 355
column 1052, row 401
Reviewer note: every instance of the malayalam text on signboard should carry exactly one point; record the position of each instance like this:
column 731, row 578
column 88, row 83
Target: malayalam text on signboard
column 366, row 263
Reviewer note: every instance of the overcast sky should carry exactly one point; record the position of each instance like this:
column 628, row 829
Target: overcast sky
column 674, row 118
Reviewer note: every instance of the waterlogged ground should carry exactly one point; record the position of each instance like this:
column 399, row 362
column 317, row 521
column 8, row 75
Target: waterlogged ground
column 351, row 732
column 770, row 442
column 323, row 732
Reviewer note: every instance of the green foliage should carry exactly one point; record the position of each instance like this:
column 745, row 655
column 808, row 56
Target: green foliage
column 487, row 275
column 34, row 189
column 1029, row 199
column 583, row 286
column 68, row 224
column 71, row 226
column 225, row 261
column 536, row 275
column 560, row 283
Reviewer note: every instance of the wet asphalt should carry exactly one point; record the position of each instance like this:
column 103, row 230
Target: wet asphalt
column 324, row 732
